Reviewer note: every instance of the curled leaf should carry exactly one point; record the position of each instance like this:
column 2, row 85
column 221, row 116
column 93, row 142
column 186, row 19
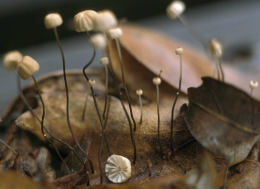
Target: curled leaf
column 223, row 119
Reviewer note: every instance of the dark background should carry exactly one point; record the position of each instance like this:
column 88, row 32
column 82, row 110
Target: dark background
column 21, row 21
column 234, row 22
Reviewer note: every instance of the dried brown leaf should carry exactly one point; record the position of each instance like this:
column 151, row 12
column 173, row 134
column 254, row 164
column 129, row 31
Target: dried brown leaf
column 223, row 119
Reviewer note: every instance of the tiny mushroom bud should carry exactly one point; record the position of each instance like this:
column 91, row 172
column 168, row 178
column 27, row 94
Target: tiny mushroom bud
column 157, row 81
column 215, row 48
column 84, row 20
column 175, row 9
column 92, row 82
column 139, row 92
column 179, row 51
column 104, row 60
column 99, row 41
column 27, row 67
column 52, row 20
column 104, row 21
column 115, row 33
column 118, row 169
column 12, row 59
column 253, row 84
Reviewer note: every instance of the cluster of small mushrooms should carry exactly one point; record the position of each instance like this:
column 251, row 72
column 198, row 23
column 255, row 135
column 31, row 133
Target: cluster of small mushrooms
column 105, row 27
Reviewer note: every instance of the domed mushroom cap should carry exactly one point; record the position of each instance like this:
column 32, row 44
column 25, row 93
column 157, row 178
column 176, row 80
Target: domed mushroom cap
column 175, row 9
column 52, row 20
column 12, row 59
column 105, row 20
column 215, row 48
column 99, row 41
column 118, row 169
column 84, row 20
column 115, row 33
column 27, row 67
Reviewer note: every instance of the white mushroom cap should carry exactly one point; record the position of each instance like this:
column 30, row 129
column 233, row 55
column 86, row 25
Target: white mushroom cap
column 104, row 60
column 92, row 82
column 253, row 84
column 179, row 51
column 105, row 20
column 27, row 67
column 215, row 48
column 84, row 20
column 12, row 59
column 115, row 33
column 99, row 41
column 157, row 81
column 52, row 20
column 175, row 9
column 118, row 169
column 139, row 92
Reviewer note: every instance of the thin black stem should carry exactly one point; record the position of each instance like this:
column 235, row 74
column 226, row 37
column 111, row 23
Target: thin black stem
column 42, row 102
column 174, row 104
column 141, row 109
column 42, row 123
column 124, row 83
column 67, row 97
column 158, row 115
column 130, row 126
column 48, row 132
column 106, row 91
column 96, row 107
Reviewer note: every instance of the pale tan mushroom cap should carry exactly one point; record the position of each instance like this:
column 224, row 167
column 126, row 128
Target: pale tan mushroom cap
column 84, row 20
column 118, row 169
column 12, row 59
column 27, row 67
column 157, row 81
column 139, row 92
column 215, row 48
column 52, row 20
column 179, row 51
column 99, row 41
column 253, row 84
column 104, row 21
column 114, row 33
column 104, row 60
column 175, row 9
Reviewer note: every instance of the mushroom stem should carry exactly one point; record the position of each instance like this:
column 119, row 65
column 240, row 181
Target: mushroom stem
column 158, row 115
column 42, row 121
column 221, row 69
column 67, row 96
column 130, row 125
column 124, row 83
column 103, row 136
column 194, row 33
column 106, row 90
column 174, row 104
column 141, row 109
